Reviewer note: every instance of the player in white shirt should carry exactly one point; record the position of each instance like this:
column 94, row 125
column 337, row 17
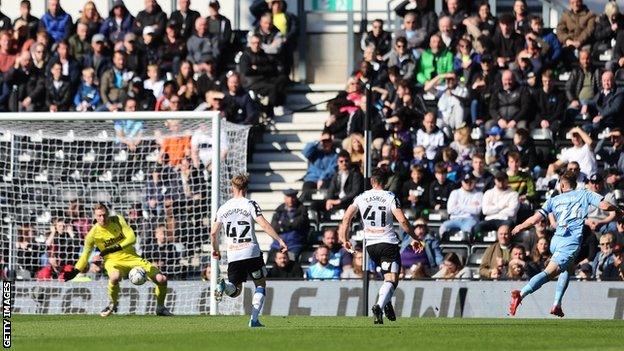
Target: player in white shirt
column 377, row 208
column 243, row 253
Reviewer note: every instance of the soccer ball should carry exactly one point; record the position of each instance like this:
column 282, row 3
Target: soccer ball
column 137, row 276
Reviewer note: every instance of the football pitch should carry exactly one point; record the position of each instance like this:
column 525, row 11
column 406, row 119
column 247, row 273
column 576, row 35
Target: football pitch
column 79, row 332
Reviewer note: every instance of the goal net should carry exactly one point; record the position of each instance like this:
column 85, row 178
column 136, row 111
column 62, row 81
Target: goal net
column 156, row 172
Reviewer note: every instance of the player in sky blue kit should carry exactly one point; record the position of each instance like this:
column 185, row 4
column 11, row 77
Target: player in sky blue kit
column 569, row 209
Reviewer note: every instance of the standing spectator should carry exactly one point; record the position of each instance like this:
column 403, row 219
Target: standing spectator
column 507, row 42
column 414, row 36
column 322, row 161
column 551, row 105
column 434, row 61
column 70, row 67
column 575, row 29
column 580, row 152
column 464, row 207
column 79, row 43
column 201, row 45
column 114, row 83
column 453, row 268
column 603, row 267
column 430, row 257
column 581, row 87
column 284, row 268
column 440, row 189
column 608, row 25
column 25, row 15
column 98, row 59
column 118, row 24
column 509, row 105
column 378, row 38
column 500, row 206
column 288, row 25
column 58, row 90
column 56, row 21
column 87, row 97
column 29, row 82
column 92, row 18
column 540, row 256
column 219, row 25
column 344, row 185
column 175, row 146
column 322, row 269
column 291, row 223
column 185, row 17
column 427, row 18
column 151, row 16
column 430, row 136
column 497, row 255
column 173, row 49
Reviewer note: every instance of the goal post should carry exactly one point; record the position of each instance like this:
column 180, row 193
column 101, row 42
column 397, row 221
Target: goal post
column 55, row 166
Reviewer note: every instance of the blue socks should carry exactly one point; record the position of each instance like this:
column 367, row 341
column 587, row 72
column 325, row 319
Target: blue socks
column 562, row 285
column 256, row 303
column 535, row 283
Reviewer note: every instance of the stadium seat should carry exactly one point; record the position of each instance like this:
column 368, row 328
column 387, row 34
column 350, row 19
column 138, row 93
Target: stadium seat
column 306, row 257
column 476, row 254
column 462, row 250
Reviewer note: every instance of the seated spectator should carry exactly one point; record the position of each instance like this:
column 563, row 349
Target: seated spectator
column 530, row 238
column 135, row 58
column 613, row 156
column 272, row 41
column 457, row 12
column 378, row 38
column 483, row 83
column 435, row 59
column 415, row 37
column 57, row 22
column 597, row 220
column 430, row 136
column 575, row 29
column 465, row 61
column 550, row 105
column 494, row 147
column 355, row 147
column 58, row 90
column 97, row 58
column 247, row 111
column 448, row 33
column 79, row 42
column 152, row 16
column 129, row 141
column 202, row 45
column 344, row 186
column 338, row 256
column 284, row 268
column 174, row 146
column 603, row 267
column 521, row 19
column 507, row 42
column 201, row 146
column 63, row 242
column 464, row 207
column 40, row 49
column 540, row 256
column 516, row 269
column 145, row 99
column 581, row 152
column 154, row 83
column 528, row 65
column 440, row 189
column 149, row 47
column 185, row 17
column 356, row 270
column 207, row 78
column 28, row 250
column 414, row 192
column 453, row 168
column 607, row 106
column 70, row 66
column 32, row 22
column 451, row 101
column 509, row 105
column 546, row 39
column 522, row 183
column 118, row 24
column 114, row 83
column 322, row 161
column 29, row 85
column 291, row 223
column 173, row 49
column 581, row 88
column 497, row 255
column 425, row 14
column 453, row 269
column 484, row 180
column 322, row 269
column 608, row 24
column 170, row 89
column 500, row 206
column 54, row 270
column 408, row 104
column 464, row 147
column 402, row 58
column 524, row 145
column 430, row 257
column 7, row 57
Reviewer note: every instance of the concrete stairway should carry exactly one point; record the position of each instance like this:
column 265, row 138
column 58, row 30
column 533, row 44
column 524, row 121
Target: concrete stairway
column 277, row 162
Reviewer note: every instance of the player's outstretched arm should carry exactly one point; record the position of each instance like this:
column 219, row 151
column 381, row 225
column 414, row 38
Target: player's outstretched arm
column 214, row 238
column 606, row 206
column 417, row 244
column 268, row 228
column 83, row 262
column 531, row 221
column 343, row 229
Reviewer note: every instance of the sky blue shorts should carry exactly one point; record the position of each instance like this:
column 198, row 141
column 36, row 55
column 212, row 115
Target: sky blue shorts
column 564, row 251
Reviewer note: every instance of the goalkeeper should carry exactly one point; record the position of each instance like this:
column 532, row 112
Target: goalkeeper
column 115, row 240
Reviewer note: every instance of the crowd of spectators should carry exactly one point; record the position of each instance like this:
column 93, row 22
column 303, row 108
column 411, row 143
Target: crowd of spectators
column 475, row 116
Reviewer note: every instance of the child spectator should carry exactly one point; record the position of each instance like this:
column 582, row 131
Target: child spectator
column 494, row 147
column 87, row 97
column 153, row 81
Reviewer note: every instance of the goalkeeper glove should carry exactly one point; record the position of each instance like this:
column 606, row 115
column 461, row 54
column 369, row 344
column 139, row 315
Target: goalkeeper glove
column 111, row 249
column 69, row 275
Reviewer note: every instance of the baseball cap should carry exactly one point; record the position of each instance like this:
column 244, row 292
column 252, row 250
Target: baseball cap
column 468, row 177
column 129, row 37
column 148, row 30
column 596, row 178
column 97, row 38
column 496, row 130
column 290, row 192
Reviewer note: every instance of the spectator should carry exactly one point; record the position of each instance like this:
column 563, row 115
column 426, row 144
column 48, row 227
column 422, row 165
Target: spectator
column 30, row 85
column 483, row 83
column 434, row 61
column 25, row 15
column 90, row 17
column 174, row 146
column 581, row 152
column 58, row 90
column 149, row 48
column 185, row 18
column 87, row 97
column 415, row 37
column 507, row 42
column 401, row 58
column 322, row 161
column 7, row 57
column 599, row 221
column 457, row 13
column 494, row 147
column 134, row 58
column 207, row 77
column 355, row 147
column 521, row 18
column 118, row 24
column 484, row 180
column 218, row 25
column 448, row 33
column 287, row 24
column 338, row 256
column 581, row 88
column 430, row 136
column 464, row 207
column 79, row 43
column 151, row 16
column 451, row 101
column 430, row 257
column 547, row 40
column 56, row 21
column 540, row 256
column 201, row 146
column 54, row 270
column 202, row 45
column 607, row 106
column 440, row 189
column 575, row 29
column 551, row 105
column 356, row 270
column 427, row 18
column 271, row 39
column 154, row 83
column 497, row 255
column 453, row 269
column 21, row 41
column 284, row 268
column 291, row 223
column 524, row 145
column 516, row 269
column 145, row 99
column 173, row 49
column 482, row 25
column 603, row 267
column 613, row 156
column 509, row 105
column 378, row 38
column 414, row 192
column 70, row 67
column 28, row 251
column 500, row 206
column 539, row 231
column 464, row 148
column 114, row 83
column 520, row 182
column 465, row 60
column 247, row 111
column 607, row 27
column 322, row 269
column 98, row 58
column 129, row 141
column 63, row 242
column 344, row 185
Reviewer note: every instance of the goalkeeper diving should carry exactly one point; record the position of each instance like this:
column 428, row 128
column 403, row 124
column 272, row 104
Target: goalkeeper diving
column 115, row 239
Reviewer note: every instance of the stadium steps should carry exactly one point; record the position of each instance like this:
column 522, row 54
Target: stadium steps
column 278, row 163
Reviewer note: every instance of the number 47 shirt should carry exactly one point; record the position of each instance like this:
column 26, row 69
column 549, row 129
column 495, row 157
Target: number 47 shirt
column 237, row 216
column 376, row 207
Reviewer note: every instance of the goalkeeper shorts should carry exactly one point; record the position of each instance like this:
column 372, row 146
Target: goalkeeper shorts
column 126, row 262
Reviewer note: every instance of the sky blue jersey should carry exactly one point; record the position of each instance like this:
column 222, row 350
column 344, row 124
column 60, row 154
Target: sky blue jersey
column 570, row 210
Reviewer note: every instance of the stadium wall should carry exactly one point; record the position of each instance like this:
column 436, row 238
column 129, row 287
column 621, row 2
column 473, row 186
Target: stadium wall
column 592, row 300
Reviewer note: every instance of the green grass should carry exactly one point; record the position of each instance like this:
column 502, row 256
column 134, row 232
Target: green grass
column 117, row 333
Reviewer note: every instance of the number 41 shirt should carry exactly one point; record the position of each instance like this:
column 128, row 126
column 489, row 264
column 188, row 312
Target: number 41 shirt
column 376, row 207
column 237, row 216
